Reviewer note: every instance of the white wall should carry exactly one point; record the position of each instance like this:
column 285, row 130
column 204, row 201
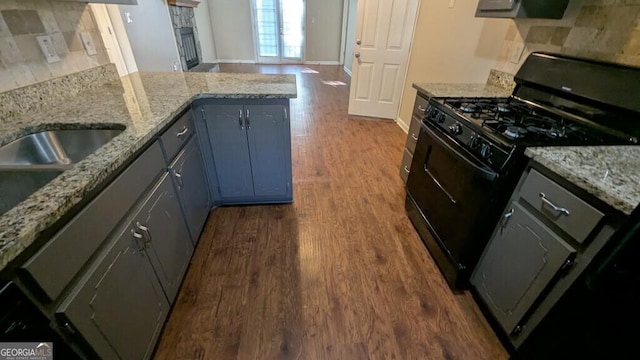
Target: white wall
column 205, row 32
column 151, row 35
column 351, row 35
column 451, row 45
column 323, row 31
column 232, row 30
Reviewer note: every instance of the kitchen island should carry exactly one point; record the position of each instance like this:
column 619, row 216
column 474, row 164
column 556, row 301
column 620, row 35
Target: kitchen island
column 145, row 103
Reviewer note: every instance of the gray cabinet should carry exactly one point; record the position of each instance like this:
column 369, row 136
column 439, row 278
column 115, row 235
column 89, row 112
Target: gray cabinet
column 419, row 107
column 521, row 259
column 118, row 306
column 191, row 182
column 251, row 150
column 160, row 225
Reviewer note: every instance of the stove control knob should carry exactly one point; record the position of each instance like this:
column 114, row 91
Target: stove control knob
column 439, row 117
column 485, row 150
column 475, row 142
column 456, row 129
column 430, row 112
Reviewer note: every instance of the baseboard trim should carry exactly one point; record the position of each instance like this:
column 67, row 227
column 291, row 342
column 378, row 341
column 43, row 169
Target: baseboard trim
column 402, row 125
column 322, row 62
column 347, row 71
column 235, row 61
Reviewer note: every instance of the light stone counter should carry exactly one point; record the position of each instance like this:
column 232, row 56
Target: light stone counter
column 143, row 102
column 461, row 90
column 610, row 173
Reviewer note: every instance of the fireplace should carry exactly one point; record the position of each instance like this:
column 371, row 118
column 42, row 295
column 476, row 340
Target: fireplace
column 186, row 33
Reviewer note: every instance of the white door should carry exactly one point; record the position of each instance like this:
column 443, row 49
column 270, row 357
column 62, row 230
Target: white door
column 384, row 32
column 279, row 30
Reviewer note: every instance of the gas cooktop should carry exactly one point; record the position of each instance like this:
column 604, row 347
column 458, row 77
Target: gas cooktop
column 516, row 122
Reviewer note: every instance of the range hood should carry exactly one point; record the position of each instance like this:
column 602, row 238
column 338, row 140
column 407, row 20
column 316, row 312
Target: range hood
column 532, row 9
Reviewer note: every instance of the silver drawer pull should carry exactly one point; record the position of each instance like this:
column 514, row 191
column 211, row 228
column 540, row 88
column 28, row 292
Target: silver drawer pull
column 182, row 132
column 414, row 137
column 406, row 169
column 559, row 209
column 421, row 108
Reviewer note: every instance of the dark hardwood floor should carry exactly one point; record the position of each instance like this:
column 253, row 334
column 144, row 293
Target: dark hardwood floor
column 340, row 273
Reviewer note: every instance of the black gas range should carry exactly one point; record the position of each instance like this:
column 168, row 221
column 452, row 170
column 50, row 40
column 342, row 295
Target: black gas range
column 470, row 151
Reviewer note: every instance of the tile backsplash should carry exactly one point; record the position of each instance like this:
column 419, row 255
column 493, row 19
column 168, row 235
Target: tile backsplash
column 606, row 30
column 21, row 21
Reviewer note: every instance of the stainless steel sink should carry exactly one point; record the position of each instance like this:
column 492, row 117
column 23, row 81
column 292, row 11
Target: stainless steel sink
column 32, row 161
column 57, row 147
column 17, row 184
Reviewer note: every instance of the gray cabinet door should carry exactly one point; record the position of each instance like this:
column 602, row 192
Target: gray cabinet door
column 191, row 181
column 228, row 138
column 118, row 306
column 168, row 244
column 520, row 260
column 270, row 148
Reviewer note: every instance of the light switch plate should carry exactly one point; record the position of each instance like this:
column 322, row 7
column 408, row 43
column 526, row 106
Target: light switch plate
column 47, row 48
column 87, row 41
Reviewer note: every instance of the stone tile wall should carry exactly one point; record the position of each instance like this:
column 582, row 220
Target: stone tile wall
column 599, row 29
column 22, row 62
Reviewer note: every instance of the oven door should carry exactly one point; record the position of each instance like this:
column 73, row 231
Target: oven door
column 453, row 191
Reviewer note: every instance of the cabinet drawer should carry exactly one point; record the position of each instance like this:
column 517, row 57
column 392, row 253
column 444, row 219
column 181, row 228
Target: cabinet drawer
column 571, row 214
column 419, row 106
column 59, row 260
column 177, row 135
column 405, row 165
column 412, row 137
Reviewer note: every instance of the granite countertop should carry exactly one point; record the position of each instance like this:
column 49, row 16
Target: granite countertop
column 467, row 90
column 608, row 172
column 143, row 102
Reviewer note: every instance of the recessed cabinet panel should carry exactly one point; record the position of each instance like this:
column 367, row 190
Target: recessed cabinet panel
column 269, row 146
column 118, row 306
column 84, row 234
column 165, row 235
column 228, row 139
column 520, row 260
column 191, row 181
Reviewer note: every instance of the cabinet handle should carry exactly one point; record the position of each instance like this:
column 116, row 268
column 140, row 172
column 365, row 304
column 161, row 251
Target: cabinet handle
column 182, row 132
column 139, row 240
column 505, row 220
column 421, row 108
column 240, row 120
column 178, row 178
column 247, row 118
column 406, row 169
column 145, row 230
column 414, row 137
column 553, row 206
column 285, row 113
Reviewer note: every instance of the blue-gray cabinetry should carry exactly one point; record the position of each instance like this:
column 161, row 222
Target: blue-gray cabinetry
column 250, row 144
column 118, row 307
column 191, row 182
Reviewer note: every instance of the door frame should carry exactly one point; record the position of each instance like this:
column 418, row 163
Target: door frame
column 279, row 59
column 109, row 38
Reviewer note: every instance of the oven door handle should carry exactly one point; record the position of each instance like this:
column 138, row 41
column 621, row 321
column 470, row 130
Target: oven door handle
column 439, row 185
column 486, row 173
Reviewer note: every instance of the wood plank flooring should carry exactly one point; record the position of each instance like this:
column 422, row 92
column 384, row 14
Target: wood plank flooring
column 340, row 273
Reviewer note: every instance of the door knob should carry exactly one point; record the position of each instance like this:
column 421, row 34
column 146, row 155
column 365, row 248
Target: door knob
column 357, row 55
column 358, row 41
